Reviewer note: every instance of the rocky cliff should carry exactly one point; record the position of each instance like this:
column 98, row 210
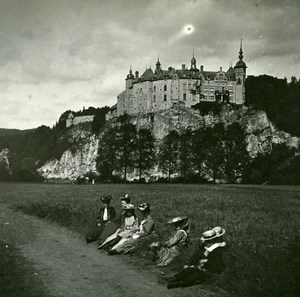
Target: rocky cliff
column 77, row 161
column 4, row 163
column 261, row 135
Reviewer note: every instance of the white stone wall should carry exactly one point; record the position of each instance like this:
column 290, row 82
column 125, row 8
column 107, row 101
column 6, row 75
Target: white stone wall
column 153, row 96
column 83, row 119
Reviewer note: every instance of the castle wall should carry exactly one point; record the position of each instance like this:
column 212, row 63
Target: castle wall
column 69, row 122
column 156, row 95
column 78, row 120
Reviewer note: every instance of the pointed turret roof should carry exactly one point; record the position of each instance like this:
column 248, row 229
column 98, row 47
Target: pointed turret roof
column 130, row 75
column 240, row 63
column 147, row 75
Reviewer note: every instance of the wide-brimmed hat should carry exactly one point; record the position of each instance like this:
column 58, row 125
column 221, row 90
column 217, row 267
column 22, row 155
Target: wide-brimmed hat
column 144, row 206
column 177, row 219
column 127, row 208
column 105, row 199
column 213, row 233
column 125, row 197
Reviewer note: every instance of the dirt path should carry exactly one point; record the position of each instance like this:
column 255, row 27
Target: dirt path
column 69, row 267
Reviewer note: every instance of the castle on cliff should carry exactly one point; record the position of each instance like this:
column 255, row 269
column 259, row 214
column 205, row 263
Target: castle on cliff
column 161, row 89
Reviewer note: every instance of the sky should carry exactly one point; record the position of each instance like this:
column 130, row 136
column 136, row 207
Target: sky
column 58, row 55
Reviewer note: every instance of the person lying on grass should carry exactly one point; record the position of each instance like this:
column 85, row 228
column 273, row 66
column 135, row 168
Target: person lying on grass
column 163, row 253
column 115, row 223
column 146, row 228
column 129, row 227
column 207, row 260
column 106, row 214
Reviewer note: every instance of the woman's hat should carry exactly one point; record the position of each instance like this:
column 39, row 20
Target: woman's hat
column 105, row 199
column 128, row 206
column 144, row 206
column 219, row 231
column 125, row 197
column 177, row 219
column 213, row 233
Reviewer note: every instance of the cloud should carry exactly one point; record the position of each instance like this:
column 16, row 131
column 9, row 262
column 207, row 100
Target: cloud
column 71, row 53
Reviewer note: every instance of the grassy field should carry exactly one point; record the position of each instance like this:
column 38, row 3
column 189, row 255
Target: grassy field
column 261, row 222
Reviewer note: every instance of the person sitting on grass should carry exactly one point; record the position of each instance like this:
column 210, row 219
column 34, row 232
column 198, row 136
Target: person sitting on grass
column 114, row 224
column 129, row 227
column 106, row 214
column 207, row 260
column 132, row 242
column 163, row 253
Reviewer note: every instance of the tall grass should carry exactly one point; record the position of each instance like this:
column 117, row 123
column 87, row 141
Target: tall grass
column 262, row 223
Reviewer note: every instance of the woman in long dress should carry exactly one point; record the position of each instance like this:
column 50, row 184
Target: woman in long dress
column 165, row 252
column 106, row 214
column 146, row 228
column 113, row 225
column 129, row 227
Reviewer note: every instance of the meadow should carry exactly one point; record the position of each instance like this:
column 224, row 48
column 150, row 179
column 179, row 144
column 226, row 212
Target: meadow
column 261, row 223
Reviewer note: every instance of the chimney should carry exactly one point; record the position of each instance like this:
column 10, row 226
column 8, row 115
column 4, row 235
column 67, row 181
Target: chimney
column 183, row 66
column 201, row 68
column 221, row 69
column 136, row 74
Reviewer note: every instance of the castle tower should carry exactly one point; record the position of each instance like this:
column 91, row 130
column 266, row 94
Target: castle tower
column 129, row 79
column 70, row 119
column 240, row 76
column 158, row 66
column 240, row 67
column 193, row 64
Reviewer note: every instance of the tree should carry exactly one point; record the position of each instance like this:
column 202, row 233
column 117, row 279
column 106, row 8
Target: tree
column 145, row 151
column 271, row 166
column 185, row 154
column 198, row 151
column 107, row 153
column 236, row 156
column 126, row 137
column 168, row 156
column 4, row 171
column 214, row 152
column 99, row 119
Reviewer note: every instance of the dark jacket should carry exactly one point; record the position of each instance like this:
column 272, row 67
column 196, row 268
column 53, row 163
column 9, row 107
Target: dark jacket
column 111, row 214
column 212, row 262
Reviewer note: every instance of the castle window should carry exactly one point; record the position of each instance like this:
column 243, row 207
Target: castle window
column 184, row 86
column 165, row 97
column 189, row 86
column 154, row 98
column 154, row 88
column 184, row 96
column 165, row 88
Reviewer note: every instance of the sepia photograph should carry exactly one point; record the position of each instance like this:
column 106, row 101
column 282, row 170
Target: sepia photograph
column 149, row 148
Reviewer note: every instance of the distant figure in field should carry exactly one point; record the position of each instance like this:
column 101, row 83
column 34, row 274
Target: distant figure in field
column 106, row 214
column 115, row 223
column 146, row 228
column 166, row 251
column 207, row 260
column 130, row 226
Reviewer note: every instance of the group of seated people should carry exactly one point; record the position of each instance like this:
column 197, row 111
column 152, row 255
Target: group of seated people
column 125, row 233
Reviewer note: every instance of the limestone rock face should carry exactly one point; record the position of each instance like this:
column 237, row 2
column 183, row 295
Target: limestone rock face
column 261, row 135
column 4, row 159
column 73, row 164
